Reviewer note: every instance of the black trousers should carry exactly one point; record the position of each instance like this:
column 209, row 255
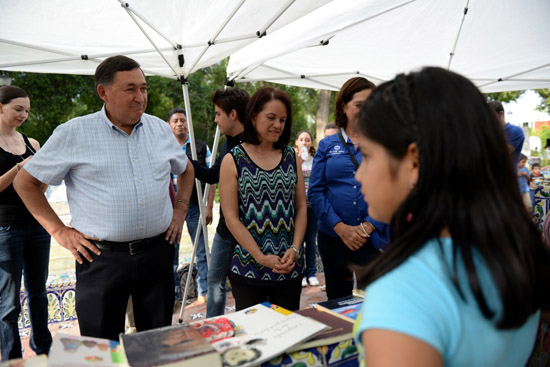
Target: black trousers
column 246, row 295
column 104, row 286
column 337, row 258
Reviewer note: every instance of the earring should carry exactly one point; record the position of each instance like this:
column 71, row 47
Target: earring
column 411, row 185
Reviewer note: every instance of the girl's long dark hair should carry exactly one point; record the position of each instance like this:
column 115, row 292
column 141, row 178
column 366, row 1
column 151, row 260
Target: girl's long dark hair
column 467, row 184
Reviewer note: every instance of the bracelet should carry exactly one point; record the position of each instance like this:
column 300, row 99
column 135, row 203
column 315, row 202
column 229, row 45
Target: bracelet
column 295, row 250
column 364, row 231
column 18, row 167
column 185, row 202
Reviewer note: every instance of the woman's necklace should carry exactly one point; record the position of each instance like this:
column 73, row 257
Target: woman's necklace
column 12, row 151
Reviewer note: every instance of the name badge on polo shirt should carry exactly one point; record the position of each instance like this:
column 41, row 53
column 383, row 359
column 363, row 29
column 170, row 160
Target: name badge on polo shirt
column 337, row 150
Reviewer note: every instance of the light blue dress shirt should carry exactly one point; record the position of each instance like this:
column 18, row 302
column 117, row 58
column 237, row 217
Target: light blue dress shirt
column 117, row 184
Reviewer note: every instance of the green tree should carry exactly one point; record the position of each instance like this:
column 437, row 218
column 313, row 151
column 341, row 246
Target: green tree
column 545, row 100
column 57, row 98
column 504, row 97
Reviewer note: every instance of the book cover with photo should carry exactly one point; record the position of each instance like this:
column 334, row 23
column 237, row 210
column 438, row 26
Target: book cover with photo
column 80, row 351
column 262, row 332
column 177, row 345
column 339, row 329
column 347, row 308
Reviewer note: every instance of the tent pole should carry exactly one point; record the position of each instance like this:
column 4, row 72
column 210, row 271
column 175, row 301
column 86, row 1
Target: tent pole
column 452, row 53
column 273, row 19
column 129, row 10
column 131, row 14
column 217, row 33
column 513, row 75
column 206, row 190
column 193, row 147
column 198, row 187
column 202, row 220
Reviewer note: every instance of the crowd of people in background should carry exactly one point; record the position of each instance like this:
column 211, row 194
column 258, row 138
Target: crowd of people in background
column 393, row 199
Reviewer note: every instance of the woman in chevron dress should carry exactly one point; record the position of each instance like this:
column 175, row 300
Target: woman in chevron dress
column 263, row 197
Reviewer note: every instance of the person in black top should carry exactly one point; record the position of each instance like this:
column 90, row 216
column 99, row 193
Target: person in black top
column 24, row 244
column 229, row 106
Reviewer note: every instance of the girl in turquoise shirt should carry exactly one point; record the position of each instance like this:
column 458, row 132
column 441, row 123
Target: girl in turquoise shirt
column 466, row 274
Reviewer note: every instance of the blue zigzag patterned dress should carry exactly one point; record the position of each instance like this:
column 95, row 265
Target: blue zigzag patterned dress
column 267, row 210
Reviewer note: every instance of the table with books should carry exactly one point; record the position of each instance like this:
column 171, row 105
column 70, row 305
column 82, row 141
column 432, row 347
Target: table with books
column 262, row 335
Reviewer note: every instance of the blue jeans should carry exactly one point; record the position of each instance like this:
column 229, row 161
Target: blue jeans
column 217, row 274
column 310, row 243
column 202, row 265
column 24, row 248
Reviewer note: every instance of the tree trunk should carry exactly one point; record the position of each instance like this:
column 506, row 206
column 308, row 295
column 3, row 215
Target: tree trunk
column 323, row 111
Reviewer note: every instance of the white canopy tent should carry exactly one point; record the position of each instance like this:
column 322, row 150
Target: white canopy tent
column 171, row 38
column 499, row 45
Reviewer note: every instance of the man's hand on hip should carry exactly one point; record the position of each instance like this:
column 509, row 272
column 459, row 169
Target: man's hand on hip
column 76, row 242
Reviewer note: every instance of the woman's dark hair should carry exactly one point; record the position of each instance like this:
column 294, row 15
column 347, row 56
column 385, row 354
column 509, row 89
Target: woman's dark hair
column 312, row 148
column 345, row 95
column 467, row 184
column 10, row 92
column 106, row 71
column 229, row 99
column 256, row 104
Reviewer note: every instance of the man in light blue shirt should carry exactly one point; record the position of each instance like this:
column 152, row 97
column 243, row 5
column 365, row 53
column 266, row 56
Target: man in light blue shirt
column 116, row 164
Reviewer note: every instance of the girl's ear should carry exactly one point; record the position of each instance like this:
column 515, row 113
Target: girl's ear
column 412, row 163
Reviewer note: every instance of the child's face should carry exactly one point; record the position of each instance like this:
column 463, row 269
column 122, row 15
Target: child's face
column 536, row 170
column 521, row 163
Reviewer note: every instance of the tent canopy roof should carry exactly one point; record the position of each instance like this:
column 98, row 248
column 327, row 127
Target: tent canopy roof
column 51, row 36
column 498, row 45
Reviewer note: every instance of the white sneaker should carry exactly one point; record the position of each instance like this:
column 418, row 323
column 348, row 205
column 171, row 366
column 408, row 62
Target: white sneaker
column 313, row 281
column 304, row 282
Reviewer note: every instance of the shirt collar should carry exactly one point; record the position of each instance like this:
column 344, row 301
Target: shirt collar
column 103, row 114
column 230, row 139
column 346, row 138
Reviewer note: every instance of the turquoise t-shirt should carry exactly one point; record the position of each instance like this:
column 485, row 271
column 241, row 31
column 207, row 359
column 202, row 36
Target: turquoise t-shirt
column 419, row 299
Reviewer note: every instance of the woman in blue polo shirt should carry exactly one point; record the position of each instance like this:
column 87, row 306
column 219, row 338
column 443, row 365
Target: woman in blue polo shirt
column 347, row 235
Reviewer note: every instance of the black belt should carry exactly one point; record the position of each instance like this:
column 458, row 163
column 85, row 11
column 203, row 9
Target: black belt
column 129, row 247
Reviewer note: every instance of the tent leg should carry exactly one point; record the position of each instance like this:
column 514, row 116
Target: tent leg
column 199, row 195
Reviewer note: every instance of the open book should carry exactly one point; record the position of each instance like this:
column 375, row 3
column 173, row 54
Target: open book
column 260, row 333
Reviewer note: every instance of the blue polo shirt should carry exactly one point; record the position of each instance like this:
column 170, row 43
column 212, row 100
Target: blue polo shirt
column 515, row 137
column 334, row 194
